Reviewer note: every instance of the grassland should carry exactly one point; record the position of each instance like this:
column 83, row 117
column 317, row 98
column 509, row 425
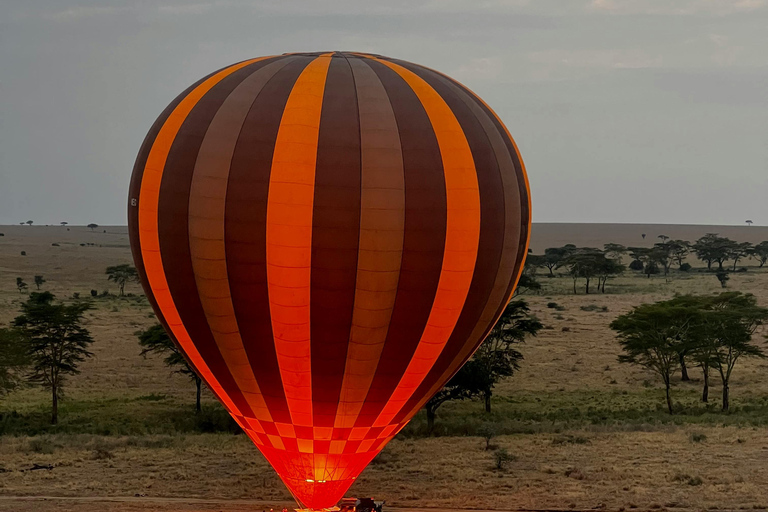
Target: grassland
column 586, row 431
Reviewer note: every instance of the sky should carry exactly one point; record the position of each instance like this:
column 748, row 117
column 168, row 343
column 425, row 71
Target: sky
column 632, row 111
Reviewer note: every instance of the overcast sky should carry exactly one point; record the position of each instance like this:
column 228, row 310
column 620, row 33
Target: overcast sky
column 624, row 110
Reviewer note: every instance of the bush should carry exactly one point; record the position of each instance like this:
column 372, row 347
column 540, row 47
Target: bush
column 551, row 305
column 685, row 267
column 503, row 457
column 94, row 293
column 487, row 431
column 636, row 265
column 23, row 253
column 698, row 438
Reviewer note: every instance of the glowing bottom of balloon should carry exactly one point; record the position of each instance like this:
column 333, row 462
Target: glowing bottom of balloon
column 316, row 477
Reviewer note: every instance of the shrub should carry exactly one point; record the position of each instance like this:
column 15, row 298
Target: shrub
column 23, row 253
column 697, row 437
column 94, row 293
column 685, row 267
column 487, row 431
column 502, row 458
column 636, row 265
column 551, row 305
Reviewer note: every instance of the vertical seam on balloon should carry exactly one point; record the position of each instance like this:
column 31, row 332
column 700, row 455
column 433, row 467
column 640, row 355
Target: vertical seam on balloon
column 320, row 64
column 404, row 390
column 169, row 130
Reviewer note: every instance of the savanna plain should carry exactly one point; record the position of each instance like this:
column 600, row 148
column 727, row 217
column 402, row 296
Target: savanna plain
column 583, row 431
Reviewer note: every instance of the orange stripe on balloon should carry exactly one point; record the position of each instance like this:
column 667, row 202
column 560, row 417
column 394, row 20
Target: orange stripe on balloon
column 461, row 240
column 149, row 196
column 289, row 235
column 382, row 221
column 207, row 207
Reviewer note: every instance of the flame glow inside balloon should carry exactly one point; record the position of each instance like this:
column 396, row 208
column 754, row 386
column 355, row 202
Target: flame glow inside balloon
column 327, row 237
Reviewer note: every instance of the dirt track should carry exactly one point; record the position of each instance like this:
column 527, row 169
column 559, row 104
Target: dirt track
column 132, row 503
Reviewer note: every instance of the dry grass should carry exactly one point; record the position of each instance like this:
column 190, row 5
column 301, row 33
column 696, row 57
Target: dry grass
column 586, row 431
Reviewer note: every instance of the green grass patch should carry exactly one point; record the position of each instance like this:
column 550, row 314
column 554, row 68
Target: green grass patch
column 143, row 415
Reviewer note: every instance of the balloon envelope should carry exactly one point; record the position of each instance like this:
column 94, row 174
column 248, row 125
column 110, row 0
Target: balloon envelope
column 327, row 237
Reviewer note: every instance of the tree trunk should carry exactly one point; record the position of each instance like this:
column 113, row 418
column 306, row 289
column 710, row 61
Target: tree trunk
column 669, row 399
column 574, row 287
column 684, row 369
column 726, row 402
column 705, row 393
column 709, row 264
column 431, row 413
column 734, row 264
column 199, row 384
column 587, row 286
column 487, row 396
column 55, row 405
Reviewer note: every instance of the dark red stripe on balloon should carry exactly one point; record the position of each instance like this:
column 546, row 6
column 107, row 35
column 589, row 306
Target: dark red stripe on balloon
column 423, row 244
column 335, row 236
column 490, row 244
column 246, row 232
column 173, row 227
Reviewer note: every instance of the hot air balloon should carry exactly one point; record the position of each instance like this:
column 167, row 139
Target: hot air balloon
column 327, row 237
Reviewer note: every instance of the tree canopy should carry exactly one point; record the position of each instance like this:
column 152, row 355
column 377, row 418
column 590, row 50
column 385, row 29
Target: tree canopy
column 56, row 341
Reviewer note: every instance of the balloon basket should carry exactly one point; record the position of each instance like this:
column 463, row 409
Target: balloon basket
column 351, row 505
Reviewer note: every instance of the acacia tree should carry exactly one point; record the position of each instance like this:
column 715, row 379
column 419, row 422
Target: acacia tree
column 585, row 263
column 614, row 251
column 679, row 250
column 652, row 336
column 713, row 248
column 760, row 252
column 729, row 321
column 739, row 251
column 497, row 357
column 20, row 284
column 647, row 257
column 466, row 384
column 155, row 340
column 56, row 342
column 122, row 274
column 662, row 254
column 555, row 257
column 39, row 281
column 92, row 226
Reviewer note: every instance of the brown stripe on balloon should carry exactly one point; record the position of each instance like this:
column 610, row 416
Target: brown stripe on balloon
column 335, row 234
column 246, row 235
column 207, row 207
column 490, row 244
column 382, row 218
column 173, row 228
column 423, row 242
